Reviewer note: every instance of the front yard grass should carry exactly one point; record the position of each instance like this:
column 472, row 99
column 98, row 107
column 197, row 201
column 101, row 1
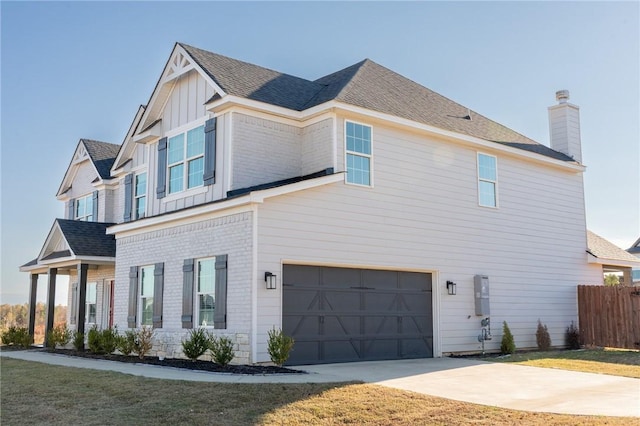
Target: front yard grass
column 34, row 393
column 617, row 362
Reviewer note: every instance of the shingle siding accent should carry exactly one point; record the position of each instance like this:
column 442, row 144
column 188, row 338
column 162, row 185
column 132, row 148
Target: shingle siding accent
column 264, row 151
column 231, row 235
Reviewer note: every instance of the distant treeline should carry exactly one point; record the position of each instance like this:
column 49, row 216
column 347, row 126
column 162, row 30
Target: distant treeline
column 18, row 315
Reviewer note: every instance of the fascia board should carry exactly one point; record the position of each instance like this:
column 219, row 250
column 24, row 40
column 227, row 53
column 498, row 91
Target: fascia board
column 55, row 227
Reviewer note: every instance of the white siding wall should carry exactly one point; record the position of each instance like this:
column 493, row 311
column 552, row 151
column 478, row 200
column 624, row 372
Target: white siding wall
column 423, row 214
column 100, row 276
column 186, row 102
column 229, row 235
column 317, row 147
column 81, row 186
column 263, row 151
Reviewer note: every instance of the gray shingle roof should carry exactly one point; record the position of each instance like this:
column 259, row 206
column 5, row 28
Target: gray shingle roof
column 88, row 238
column 103, row 154
column 635, row 248
column 601, row 248
column 367, row 85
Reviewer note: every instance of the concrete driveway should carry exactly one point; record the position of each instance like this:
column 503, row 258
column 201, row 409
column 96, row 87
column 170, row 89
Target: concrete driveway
column 498, row 384
column 502, row 385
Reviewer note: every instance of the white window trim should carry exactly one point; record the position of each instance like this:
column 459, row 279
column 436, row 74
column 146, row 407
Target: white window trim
column 86, row 216
column 175, row 132
column 87, row 303
column 196, row 301
column 146, row 194
column 495, row 182
column 346, row 152
column 140, row 276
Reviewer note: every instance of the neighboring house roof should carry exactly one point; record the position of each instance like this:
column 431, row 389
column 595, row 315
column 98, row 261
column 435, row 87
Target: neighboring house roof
column 603, row 249
column 88, row 238
column 635, row 248
column 365, row 84
column 102, row 154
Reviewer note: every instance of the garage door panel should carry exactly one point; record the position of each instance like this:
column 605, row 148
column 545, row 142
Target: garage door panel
column 380, row 301
column 379, row 280
column 381, row 349
column 303, row 276
column 341, row 327
column 414, row 325
column 414, row 280
column 343, row 301
column 341, row 277
column 341, row 350
column 415, row 348
column 305, row 352
column 296, row 299
column 376, row 325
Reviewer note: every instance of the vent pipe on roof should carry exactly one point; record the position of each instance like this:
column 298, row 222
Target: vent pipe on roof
column 564, row 126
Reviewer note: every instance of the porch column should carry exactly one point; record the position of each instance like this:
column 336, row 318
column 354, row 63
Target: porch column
column 33, row 290
column 82, row 296
column 51, row 301
column 627, row 279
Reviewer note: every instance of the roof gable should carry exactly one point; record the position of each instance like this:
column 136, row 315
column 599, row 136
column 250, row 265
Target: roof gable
column 101, row 155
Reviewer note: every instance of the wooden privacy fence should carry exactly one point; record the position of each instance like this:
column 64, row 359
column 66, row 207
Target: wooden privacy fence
column 609, row 316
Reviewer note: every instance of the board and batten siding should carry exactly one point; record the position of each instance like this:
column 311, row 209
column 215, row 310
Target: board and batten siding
column 186, row 102
column 230, row 235
column 423, row 215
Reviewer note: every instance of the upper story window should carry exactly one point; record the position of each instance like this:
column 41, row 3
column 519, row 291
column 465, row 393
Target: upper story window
column 140, row 195
column 146, row 286
column 205, row 291
column 358, row 153
column 92, row 302
column 185, row 160
column 84, row 208
column 487, row 180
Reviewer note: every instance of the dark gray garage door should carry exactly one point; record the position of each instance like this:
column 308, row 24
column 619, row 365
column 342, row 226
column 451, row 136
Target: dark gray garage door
column 345, row 314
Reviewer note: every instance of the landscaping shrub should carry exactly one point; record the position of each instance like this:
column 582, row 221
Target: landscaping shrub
column 58, row 336
column 18, row 336
column 279, row 346
column 126, row 343
column 103, row 342
column 221, row 350
column 542, row 337
column 572, row 337
column 196, row 345
column 93, row 340
column 143, row 341
column 508, row 345
column 78, row 341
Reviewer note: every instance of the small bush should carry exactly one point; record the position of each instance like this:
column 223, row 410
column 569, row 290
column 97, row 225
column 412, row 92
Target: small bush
column 93, row 340
column 126, row 343
column 78, row 341
column 508, row 345
column 542, row 337
column 572, row 337
column 103, row 342
column 221, row 350
column 143, row 341
column 196, row 345
column 18, row 336
column 58, row 336
column 279, row 346
column 8, row 336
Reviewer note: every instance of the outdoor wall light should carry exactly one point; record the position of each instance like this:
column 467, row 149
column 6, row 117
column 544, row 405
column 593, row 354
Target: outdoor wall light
column 451, row 288
column 270, row 280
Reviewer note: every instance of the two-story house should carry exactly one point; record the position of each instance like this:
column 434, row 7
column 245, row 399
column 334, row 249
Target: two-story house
column 364, row 214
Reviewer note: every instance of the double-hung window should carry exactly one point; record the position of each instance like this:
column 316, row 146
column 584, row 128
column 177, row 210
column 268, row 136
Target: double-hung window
column 146, row 286
column 84, row 208
column 185, row 160
column 205, row 291
column 140, row 195
column 92, row 301
column 487, row 180
column 358, row 150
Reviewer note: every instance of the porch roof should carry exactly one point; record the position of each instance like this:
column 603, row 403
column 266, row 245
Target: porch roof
column 606, row 253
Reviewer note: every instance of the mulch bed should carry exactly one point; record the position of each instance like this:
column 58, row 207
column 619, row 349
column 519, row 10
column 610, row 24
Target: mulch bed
column 181, row 363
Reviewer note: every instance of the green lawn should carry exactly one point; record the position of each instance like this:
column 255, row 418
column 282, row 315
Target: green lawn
column 617, row 362
column 34, row 393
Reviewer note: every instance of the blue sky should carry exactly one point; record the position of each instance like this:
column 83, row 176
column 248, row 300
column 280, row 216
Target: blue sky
column 80, row 70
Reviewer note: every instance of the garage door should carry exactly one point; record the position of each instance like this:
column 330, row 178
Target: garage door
column 346, row 314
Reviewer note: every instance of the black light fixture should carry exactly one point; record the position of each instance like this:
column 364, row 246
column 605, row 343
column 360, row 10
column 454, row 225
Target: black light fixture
column 270, row 279
column 451, row 288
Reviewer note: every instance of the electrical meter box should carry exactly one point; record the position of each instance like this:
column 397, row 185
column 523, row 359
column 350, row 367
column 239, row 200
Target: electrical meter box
column 481, row 291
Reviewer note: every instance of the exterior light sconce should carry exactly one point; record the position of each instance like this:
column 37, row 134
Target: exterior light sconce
column 270, row 280
column 451, row 288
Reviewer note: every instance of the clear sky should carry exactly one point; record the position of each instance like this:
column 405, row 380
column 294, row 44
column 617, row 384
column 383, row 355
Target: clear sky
column 80, row 70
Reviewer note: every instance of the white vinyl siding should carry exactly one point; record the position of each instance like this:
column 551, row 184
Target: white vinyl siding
column 487, row 180
column 205, row 291
column 358, row 153
column 84, row 208
column 146, row 286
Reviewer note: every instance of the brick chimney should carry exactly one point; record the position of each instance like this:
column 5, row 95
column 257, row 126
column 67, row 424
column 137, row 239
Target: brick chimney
column 564, row 126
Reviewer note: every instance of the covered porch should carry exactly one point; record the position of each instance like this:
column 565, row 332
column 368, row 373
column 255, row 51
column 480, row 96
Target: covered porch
column 84, row 252
column 612, row 258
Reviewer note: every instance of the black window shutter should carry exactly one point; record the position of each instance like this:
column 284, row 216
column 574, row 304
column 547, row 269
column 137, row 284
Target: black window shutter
column 187, row 293
column 133, row 297
column 220, row 311
column 158, row 285
column 71, row 211
column 74, row 303
column 162, row 168
column 209, row 175
column 128, row 197
column 95, row 206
